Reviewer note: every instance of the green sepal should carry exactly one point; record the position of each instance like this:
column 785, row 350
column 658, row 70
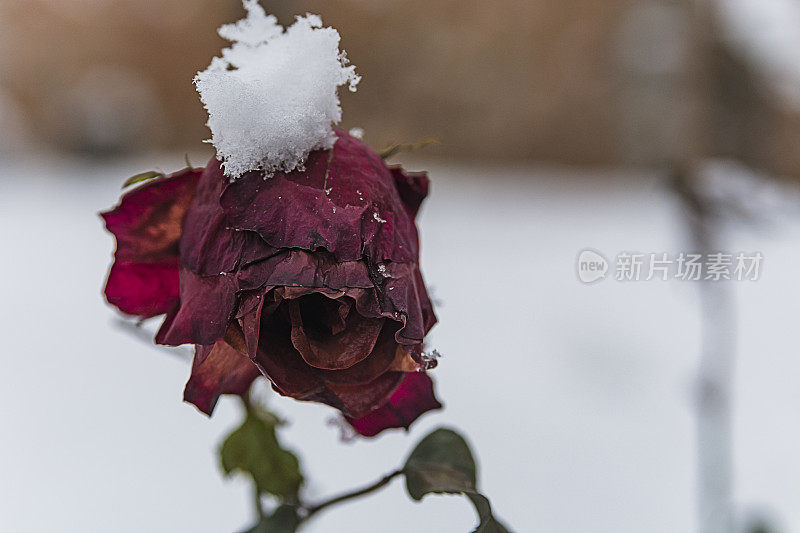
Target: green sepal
column 139, row 178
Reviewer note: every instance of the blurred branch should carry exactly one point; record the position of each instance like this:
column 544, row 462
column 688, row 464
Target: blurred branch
column 717, row 363
column 137, row 330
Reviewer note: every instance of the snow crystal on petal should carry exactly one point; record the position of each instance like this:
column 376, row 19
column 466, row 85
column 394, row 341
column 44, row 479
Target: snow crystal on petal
column 272, row 96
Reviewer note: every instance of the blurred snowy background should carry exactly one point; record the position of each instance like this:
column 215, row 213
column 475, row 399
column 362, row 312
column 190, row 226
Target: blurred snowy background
column 557, row 123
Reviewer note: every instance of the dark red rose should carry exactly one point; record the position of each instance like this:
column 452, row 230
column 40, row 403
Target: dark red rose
column 310, row 278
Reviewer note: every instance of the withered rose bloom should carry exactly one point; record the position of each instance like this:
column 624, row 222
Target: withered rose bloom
column 309, row 278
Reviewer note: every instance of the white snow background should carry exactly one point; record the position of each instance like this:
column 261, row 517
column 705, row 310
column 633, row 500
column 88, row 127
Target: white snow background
column 577, row 399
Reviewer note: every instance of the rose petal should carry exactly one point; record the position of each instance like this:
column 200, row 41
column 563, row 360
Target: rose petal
column 147, row 224
column 406, row 297
column 413, row 397
column 304, row 269
column 412, row 186
column 354, row 391
column 345, row 201
column 209, row 245
column 218, row 369
column 204, row 312
column 143, row 289
column 380, row 360
column 319, row 346
column 358, row 401
column 267, row 334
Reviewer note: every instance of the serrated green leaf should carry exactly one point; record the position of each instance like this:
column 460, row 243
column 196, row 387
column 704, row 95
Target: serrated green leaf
column 254, row 449
column 284, row 520
column 139, row 178
column 441, row 462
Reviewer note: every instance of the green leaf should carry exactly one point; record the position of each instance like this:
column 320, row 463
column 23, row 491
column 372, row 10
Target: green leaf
column 284, row 520
column 488, row 523
column 139, row 178
column 254, row 449
column 441, row 462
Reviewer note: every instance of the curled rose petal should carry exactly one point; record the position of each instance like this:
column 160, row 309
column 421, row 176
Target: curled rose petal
column 412, row 398
column 218, row 369
column 143, row 280
column 313, row 333
column 380, row 361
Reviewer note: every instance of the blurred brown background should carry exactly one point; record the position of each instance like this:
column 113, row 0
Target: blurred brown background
column 579, row 82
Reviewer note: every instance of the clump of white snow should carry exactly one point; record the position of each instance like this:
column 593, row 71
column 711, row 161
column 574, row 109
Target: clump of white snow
column 272, row 96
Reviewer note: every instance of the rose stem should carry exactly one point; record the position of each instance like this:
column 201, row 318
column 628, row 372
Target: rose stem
column 350, row 495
